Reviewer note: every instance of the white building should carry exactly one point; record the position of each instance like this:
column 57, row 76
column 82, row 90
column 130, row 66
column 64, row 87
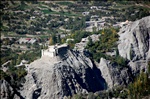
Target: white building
column 53, row 50
column 98, row 25
column 27, row 40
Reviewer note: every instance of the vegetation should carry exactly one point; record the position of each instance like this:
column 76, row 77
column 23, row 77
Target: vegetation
column 14, row 76
column 65, row 3
column 15, row 57
column 75, row 24
column 140, row 87
column 77, row 36
column 17, row 75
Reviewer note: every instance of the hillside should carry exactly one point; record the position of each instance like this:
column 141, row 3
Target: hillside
column 75, row 49
column 70, row 72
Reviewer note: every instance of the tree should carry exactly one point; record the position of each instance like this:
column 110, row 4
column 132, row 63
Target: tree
column 58, row 39
column 117, row 52
column 149, row 67
column 50, row 41
column 54, row 38
column 90, row 42
column 140, row 87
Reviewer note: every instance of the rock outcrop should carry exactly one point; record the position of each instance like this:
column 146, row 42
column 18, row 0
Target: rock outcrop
column 134, row 39
column 113, row 75
column 55, row 78
column 6, row 90
column 134, row 44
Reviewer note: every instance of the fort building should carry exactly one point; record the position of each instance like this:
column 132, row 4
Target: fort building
column 53, row 50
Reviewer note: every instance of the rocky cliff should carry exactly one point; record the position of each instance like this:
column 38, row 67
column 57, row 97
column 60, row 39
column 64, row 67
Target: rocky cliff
column 134, row 44
column 6, row 90
column 70, row 73
column 134, row 39
column 56, row 77
column 113, row 75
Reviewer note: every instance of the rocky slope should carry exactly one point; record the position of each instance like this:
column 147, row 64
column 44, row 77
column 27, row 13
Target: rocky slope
column 113, row 75
column 135, row 40
column 55, row 78
column 74, row 73
column 134, row 44
column 6, row 90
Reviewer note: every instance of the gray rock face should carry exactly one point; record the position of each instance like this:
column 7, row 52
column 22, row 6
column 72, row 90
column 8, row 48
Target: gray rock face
column 134, row 44
column 138, row 66
column 134, row 39
column 55, row 78
column 6, row 90
column 112, row 74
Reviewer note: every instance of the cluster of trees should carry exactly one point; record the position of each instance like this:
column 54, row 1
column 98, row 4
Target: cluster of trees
column 7, row 41
column 106, row 43
column 134, row 12
column 15, row 57
column 77, row 36
column 55, row 39
column 7, row 55
column 75, row 24
column 140, row 88
column 14, row 76
column 141, row 85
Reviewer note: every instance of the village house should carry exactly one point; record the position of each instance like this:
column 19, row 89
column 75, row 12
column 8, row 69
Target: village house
column 27, row 40
column 98, row 25
column 120, row 24
column 81, row 45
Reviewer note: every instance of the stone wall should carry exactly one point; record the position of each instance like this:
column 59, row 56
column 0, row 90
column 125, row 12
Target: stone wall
column 52, row 51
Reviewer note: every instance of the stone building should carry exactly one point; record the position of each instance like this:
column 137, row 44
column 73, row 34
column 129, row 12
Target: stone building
column 54, row 50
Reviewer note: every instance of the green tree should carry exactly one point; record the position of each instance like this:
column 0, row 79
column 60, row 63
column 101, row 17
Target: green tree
column 149, row 67
column 140, row 87
column 51, row 41
column 90, row 42
column 58, row 39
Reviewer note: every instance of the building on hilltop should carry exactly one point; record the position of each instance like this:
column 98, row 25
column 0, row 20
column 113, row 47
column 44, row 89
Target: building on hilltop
column 53, row 50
